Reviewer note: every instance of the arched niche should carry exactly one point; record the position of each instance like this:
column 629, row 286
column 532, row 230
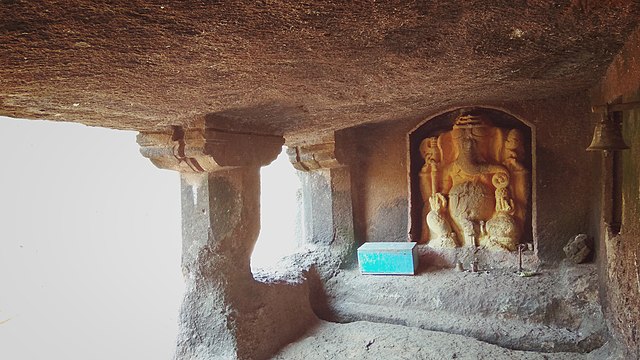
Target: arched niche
column 480, row 160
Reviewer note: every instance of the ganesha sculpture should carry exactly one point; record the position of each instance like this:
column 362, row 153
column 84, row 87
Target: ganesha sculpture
column 474, row 186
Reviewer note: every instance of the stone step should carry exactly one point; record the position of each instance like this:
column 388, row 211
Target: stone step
column 557, row 310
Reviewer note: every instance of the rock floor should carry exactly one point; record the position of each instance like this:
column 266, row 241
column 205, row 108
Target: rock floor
column 368, row 340
column 555, row 311
column 443, row 314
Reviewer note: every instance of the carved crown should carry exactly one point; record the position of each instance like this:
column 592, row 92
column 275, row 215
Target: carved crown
column 470, row 121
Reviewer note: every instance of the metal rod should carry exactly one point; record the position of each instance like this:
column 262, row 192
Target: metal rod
column 521, row 248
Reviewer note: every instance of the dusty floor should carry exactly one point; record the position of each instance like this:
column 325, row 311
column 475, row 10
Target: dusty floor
column 367, row 340
column 557, row 310
column 445, row 314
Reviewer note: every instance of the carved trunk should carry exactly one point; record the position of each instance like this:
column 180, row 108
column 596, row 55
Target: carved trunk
column 474, row 185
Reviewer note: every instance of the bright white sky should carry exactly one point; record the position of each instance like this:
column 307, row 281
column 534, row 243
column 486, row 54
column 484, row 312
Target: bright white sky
column 90, row 246
column 279, row 185
column 90, row 243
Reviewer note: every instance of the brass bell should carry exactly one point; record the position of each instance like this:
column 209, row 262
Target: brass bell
column 607, row 135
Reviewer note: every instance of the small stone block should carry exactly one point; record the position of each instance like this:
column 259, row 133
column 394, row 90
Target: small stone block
column 389, row 258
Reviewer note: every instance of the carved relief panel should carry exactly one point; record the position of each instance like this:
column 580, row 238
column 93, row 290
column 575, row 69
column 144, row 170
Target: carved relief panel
column 474, row 185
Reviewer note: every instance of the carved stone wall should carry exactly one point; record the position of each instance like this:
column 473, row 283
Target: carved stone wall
column 474, row 180
column 386, row 193
column 618, row 255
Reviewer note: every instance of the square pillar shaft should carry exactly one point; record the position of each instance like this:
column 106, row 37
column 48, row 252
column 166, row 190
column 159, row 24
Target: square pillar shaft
column 326, row 197
column 220, row 220
column 226, row 314
column 326, row 200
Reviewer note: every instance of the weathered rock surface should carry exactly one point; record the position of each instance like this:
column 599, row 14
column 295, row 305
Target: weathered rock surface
column 292, row 68
column 577, row 249
column 367, row 340
column 557, row 310
column 618, row 254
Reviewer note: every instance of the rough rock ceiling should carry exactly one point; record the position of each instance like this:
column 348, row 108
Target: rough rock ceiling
column 294, row 67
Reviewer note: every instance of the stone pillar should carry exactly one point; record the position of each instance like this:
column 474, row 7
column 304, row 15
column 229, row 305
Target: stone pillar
column 326, row 201
column 225, row 314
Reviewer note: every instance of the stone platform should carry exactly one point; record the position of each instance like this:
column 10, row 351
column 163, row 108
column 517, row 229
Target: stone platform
column 555, row 311
column 487, row 259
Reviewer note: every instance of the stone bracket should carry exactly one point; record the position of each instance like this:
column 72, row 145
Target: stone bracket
column 208, row 150
column 313, row 157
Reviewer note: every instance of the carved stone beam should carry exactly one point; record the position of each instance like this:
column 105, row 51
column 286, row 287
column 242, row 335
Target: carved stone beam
column 313, row 157
column 209, row 150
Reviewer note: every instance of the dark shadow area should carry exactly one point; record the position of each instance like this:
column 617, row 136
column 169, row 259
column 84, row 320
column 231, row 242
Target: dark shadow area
column 318, row 296
column 279, row 315
column 270, row 118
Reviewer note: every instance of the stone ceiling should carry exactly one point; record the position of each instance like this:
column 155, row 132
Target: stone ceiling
column 295, row 68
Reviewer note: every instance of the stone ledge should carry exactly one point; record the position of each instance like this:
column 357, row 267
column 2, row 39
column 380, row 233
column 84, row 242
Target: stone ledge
column 487, row 259
column 557, row 310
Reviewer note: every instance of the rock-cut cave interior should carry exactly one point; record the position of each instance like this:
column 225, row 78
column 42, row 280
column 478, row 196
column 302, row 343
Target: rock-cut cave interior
column 502, row 138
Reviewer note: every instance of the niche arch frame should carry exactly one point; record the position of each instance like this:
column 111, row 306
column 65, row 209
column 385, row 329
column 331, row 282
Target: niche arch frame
column 443, row 121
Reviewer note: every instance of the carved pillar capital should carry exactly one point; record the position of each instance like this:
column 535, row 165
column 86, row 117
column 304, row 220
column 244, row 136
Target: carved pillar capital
column 208, row 150
column 313, row 157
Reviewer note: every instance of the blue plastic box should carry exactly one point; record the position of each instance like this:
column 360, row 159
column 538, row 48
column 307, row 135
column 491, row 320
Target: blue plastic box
column 391, row 258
